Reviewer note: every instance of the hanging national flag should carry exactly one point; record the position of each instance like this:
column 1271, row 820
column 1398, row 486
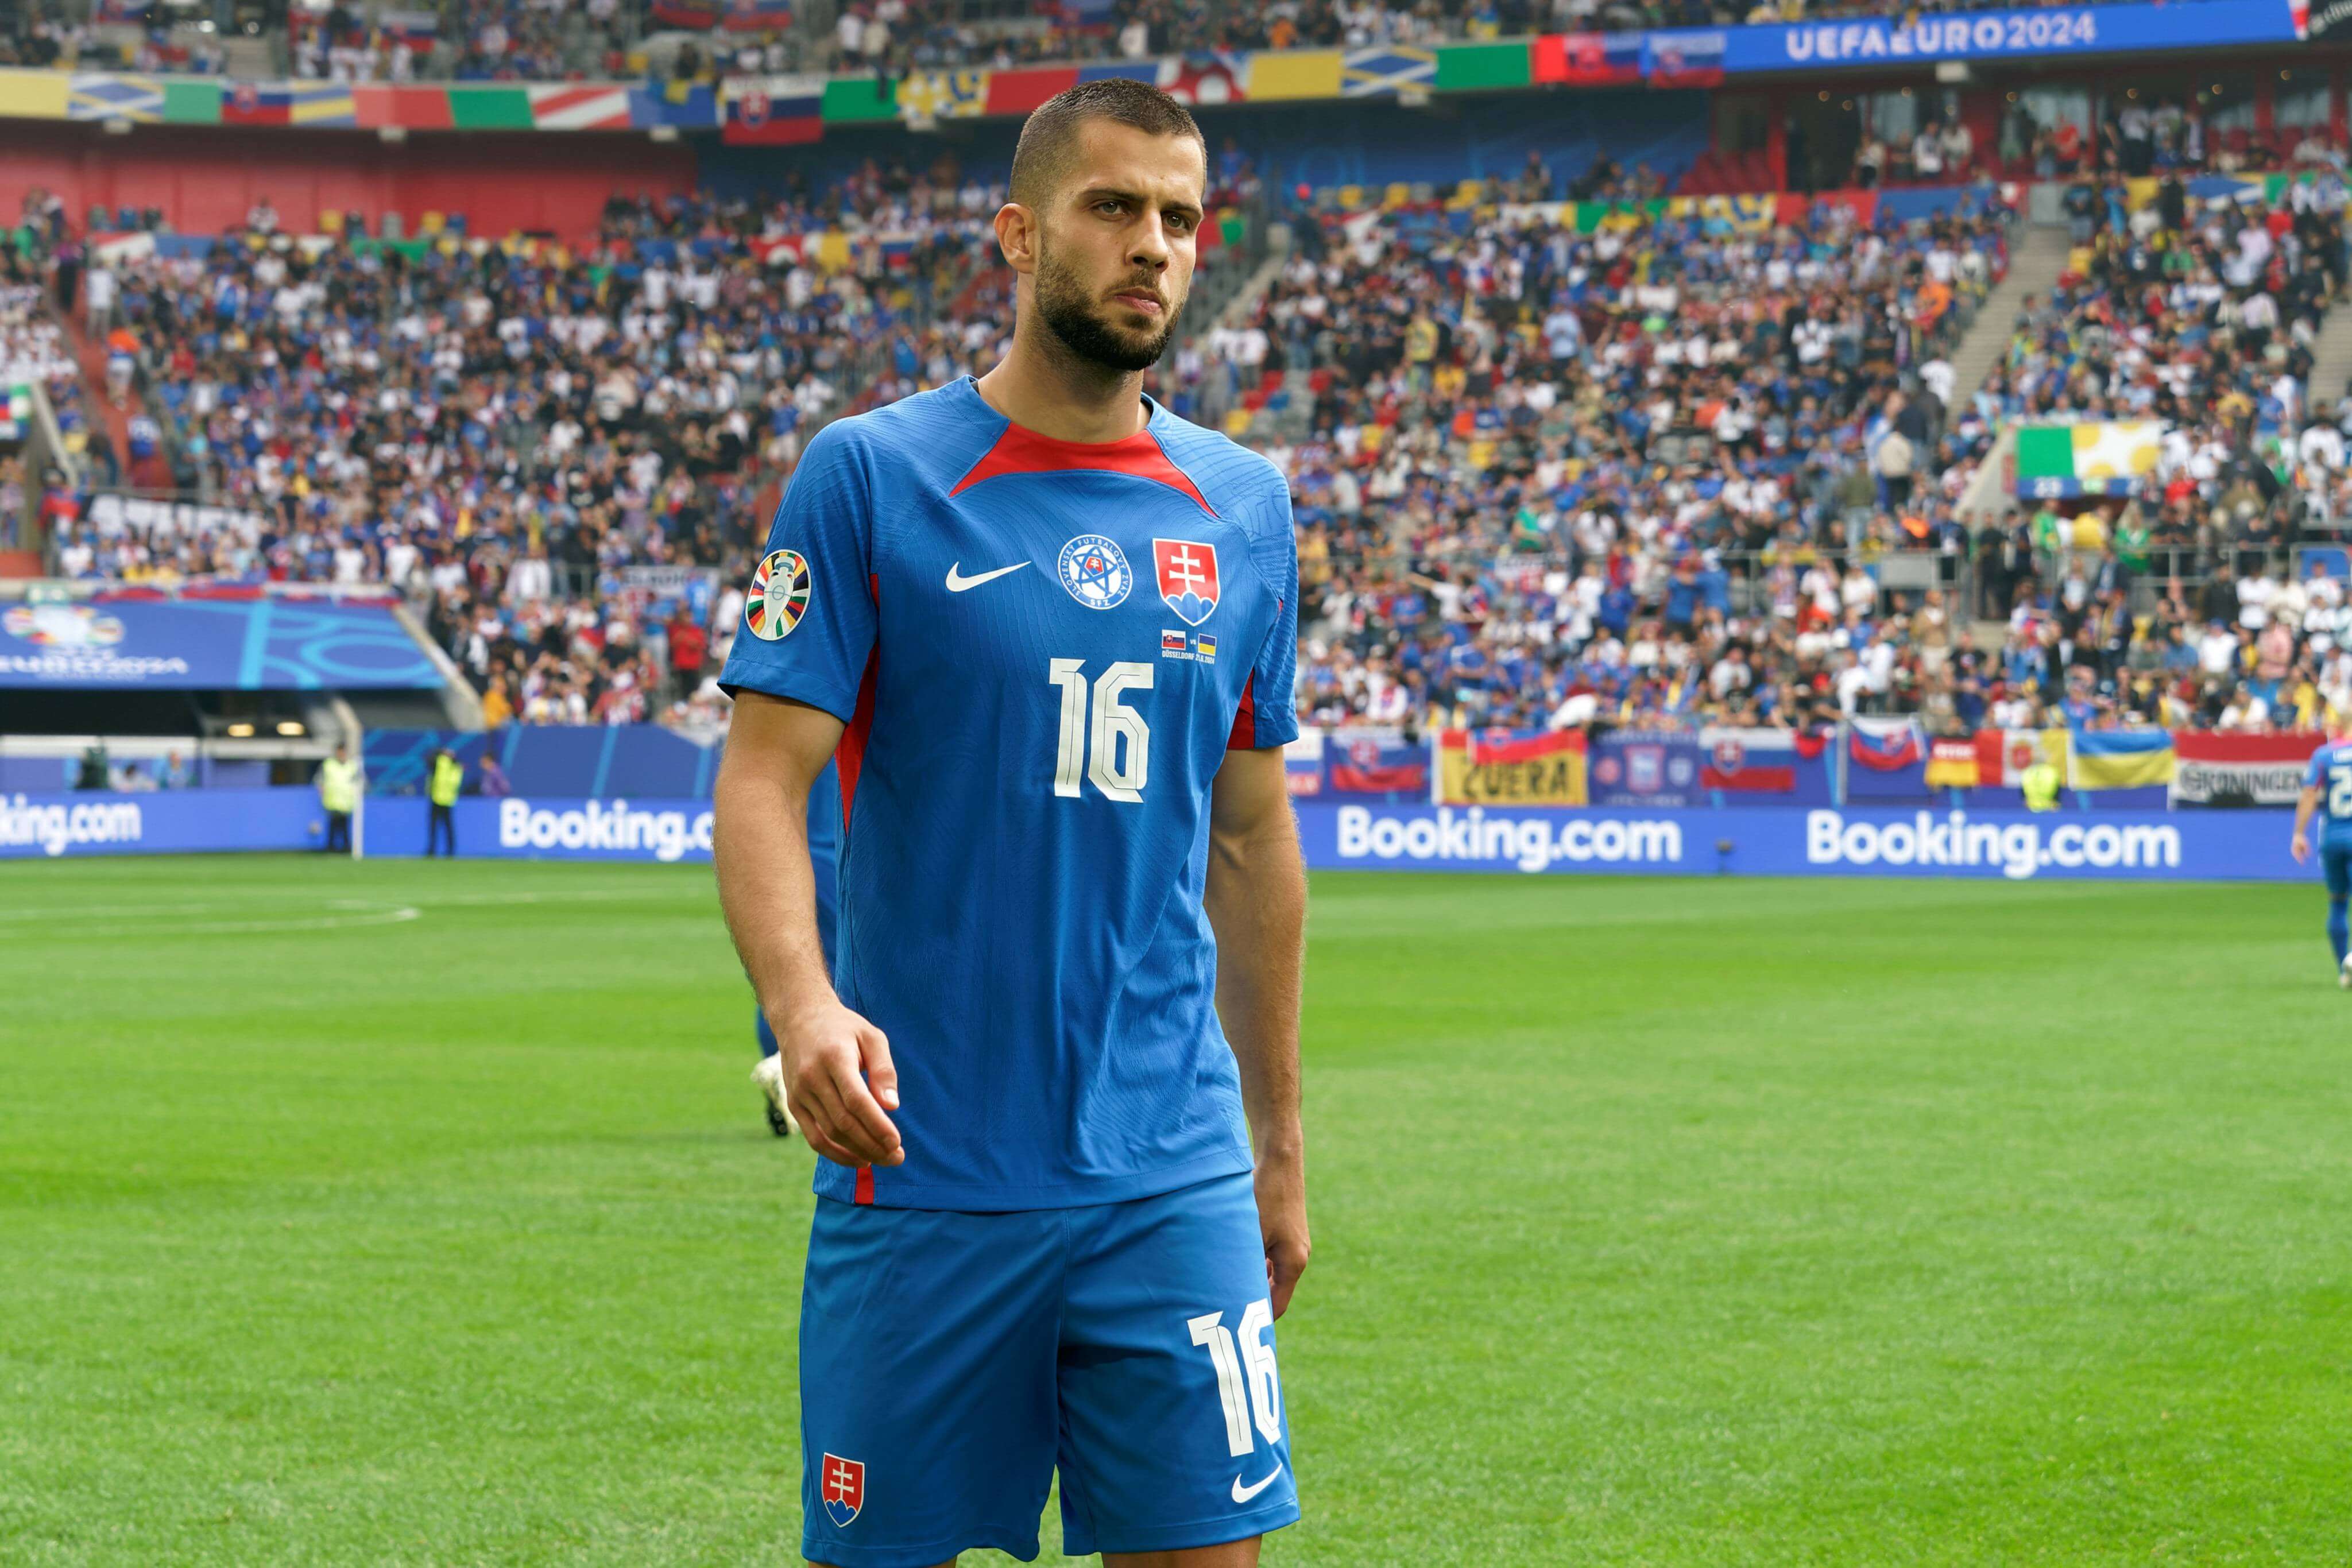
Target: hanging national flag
column 248, row 103
column 1018, row 93
column 1504, row 768
column 409, row 27
column 1749, row 761
column 943, row 95
column 1383, row 765
column 2119, row 759
column 572, row 107
column 2225, row 770
column 759, row 117
column 320, row 103
column 1374, row 73
column 1684, row 57
column 2004, row 755
column 700, row 16
column 1886, row 745
column 1588, row 59
column 1952, row 764
column 137, row 98
column 1205, row 78
column 757, row 16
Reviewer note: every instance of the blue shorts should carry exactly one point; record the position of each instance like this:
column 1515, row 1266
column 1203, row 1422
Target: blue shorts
column 2335, row 864
column 951, row 1361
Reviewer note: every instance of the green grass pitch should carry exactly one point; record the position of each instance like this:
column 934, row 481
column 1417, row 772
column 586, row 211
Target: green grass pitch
column 423, row 1214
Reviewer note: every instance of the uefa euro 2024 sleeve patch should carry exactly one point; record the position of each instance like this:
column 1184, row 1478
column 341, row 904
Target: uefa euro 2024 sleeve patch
column 779, row 595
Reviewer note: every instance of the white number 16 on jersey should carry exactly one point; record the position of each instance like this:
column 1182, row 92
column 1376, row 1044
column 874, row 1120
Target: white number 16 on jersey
column 1115, row 728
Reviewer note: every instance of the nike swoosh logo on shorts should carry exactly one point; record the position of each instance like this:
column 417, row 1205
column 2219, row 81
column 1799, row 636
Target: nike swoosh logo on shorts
column 1243, row 1493
column 959, row 583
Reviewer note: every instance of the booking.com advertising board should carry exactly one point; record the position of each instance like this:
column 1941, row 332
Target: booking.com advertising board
column 2017, row 846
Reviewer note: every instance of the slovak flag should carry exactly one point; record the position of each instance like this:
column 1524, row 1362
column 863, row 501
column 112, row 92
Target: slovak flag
column 1749, row 761
column 1887, row 745
column 842, row 1487
column 1187, row 573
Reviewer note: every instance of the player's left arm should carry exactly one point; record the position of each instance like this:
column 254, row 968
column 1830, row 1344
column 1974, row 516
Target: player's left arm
column 2306, row 804
column 1257, row 903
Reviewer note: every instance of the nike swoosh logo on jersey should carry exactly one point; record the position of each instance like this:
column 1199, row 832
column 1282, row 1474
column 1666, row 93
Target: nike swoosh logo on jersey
column 959, row 583
column 1243, row 1493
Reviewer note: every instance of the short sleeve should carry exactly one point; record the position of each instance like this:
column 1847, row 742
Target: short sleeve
column 2315, row 768
column 808, row 623
column 1269, row 708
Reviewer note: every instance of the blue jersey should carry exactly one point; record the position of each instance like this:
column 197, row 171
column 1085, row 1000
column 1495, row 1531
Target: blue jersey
column 1042, row 650
column 2330, row 772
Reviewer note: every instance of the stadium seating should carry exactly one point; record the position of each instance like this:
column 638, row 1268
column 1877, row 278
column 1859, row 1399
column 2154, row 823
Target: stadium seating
column 1624, row 459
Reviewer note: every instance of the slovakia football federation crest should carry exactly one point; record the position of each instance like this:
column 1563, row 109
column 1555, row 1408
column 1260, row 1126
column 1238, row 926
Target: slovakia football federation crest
column 779, row 596
column 1095, row 570
column 841, row 1487
column 1188, row 577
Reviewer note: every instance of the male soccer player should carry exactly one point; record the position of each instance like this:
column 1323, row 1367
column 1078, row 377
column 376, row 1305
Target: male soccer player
column 1048, row 627
column 2327, row 788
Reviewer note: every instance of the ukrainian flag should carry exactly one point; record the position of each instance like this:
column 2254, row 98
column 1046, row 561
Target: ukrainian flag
column 2119, row 759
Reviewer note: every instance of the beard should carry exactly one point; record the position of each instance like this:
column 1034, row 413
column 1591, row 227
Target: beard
column 1081, row 323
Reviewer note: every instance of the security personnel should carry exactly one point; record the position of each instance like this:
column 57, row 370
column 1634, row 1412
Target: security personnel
column 339, row 797
column 448, row 776
column 2040, row 786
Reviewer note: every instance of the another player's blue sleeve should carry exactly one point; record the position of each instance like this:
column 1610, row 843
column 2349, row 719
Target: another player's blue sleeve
column 1269, row 715
column 809, row 617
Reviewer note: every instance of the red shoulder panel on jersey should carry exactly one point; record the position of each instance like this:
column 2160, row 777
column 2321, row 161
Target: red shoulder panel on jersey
column 1244, row 734
column 1020, row 451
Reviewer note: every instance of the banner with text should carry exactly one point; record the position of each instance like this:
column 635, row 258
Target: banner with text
column 95, row 822
column 1512, row 769
column 2240, row 770
column 2015, row 846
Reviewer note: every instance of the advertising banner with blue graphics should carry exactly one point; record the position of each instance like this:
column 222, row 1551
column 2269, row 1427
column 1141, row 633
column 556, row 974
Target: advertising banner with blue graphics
column 2039, row 32
column 2018, row 846
column 91, row 822
column 260, row 643
column 548, row 829
column 1638, row 767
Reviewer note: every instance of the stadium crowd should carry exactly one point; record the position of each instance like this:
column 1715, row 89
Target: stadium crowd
column 1547, row 470
column 1488, row 591
column 501, row 435
column 1521, row 454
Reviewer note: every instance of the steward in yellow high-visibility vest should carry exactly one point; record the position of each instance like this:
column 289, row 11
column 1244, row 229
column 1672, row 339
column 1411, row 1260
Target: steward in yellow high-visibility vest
column 2040, row 786
column 448, row 777
column 339, row 797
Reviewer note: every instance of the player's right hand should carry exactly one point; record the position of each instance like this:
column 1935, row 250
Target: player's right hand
column 2302, row 848
column 839, row 1084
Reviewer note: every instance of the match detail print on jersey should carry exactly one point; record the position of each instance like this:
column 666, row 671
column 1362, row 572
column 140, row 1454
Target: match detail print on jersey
column 779, row 595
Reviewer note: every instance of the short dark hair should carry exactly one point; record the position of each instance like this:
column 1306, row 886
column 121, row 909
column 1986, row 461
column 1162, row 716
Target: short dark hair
column 1043, row 153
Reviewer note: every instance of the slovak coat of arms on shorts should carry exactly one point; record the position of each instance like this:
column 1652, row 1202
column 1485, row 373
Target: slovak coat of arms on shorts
column 841, row 1487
